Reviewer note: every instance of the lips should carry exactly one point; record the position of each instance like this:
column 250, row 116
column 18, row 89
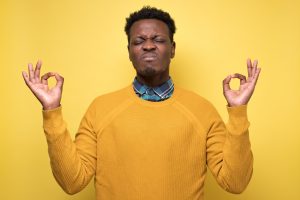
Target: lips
column 149, row 57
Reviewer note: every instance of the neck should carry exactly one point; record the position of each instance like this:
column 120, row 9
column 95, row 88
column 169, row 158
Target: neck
column 153, row 81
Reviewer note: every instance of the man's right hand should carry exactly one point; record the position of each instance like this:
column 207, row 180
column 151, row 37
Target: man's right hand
column 49, row 98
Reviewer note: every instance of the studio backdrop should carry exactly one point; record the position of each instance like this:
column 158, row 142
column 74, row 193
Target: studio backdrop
column 85, row 42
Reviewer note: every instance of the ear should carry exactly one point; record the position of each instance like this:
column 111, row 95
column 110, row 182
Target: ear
column 173, row 49
column 128, row 48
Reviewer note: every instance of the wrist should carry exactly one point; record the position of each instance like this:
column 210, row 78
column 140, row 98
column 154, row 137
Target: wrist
column 51, row 107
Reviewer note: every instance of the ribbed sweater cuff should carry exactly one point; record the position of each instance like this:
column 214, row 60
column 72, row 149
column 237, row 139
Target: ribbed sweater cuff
column 238, row 121
column 52, row 118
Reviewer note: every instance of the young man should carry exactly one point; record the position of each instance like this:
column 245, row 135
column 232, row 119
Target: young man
column 152, row 139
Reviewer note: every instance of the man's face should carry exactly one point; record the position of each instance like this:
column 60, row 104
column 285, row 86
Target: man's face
column 150, row 48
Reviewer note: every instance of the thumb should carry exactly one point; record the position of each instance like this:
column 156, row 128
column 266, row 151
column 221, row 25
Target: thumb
column 226, row 83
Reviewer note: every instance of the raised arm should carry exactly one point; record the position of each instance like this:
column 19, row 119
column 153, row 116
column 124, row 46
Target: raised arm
column 73, row 163
column 229, row 154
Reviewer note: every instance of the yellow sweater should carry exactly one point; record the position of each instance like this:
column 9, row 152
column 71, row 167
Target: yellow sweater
column 142, row 150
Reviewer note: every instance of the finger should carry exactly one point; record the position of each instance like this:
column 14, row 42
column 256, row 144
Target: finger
column 249, row 67
column 37, row 70
column 226, row 83
column 241, row 77
column 30, row 72
column 26, row 78
column 60, row 80
column 254, row 68
column 256, row 75
column 45, row 77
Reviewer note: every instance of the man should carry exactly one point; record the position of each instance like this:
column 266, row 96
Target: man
column 152, row 139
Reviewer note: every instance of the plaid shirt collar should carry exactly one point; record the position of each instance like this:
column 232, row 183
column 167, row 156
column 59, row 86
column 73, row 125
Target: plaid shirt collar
column 158, row 93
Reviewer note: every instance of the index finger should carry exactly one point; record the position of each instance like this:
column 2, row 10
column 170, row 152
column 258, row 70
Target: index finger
column 239, row 76
column 46, row 76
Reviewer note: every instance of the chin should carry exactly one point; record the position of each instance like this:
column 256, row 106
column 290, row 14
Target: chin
column 148, row 72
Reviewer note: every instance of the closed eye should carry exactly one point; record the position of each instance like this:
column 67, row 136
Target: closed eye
column 159, row 40
column 138, row 41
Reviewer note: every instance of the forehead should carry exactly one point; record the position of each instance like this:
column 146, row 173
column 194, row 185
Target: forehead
column 149, row 26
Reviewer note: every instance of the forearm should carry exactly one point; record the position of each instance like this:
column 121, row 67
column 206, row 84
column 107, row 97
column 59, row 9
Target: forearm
column 69, row 167
column 233, row 165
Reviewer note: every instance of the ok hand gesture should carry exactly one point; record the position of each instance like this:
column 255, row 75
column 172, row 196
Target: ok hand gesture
column 49, row 98
column 246, row 88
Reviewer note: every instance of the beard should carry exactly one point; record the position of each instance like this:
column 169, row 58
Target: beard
column 147, row 72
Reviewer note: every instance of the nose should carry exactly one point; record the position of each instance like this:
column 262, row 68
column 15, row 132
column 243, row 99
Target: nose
column 149, row 45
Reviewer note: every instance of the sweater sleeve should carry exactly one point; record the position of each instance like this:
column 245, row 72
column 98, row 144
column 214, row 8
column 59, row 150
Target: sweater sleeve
column 229, row 154
column 73, row 163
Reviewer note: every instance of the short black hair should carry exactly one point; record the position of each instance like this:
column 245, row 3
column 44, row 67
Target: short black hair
column 148, row 12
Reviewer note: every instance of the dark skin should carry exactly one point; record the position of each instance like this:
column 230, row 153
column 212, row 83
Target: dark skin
column 150, row 51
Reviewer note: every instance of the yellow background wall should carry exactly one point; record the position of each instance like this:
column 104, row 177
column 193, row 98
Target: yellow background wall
column 85, row 42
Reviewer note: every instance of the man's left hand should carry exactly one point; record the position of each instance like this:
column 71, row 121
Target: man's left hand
column 246, row 88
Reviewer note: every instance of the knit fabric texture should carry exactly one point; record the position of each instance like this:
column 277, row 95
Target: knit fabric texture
column 142, row 150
